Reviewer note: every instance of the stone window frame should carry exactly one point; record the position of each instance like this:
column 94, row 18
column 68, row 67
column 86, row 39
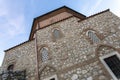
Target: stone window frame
column 40, row 55
column 100, row 36
column 53, row 76
column 104, row 45
column 51, row 67
column 106, row 66
column 9, row 66
column 11, row 62
column 94, row 32
column 52, row 31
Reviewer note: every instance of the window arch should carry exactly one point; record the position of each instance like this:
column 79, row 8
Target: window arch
column 49, row 69
column 92, row 36
column 10, row 67
column 44, row 54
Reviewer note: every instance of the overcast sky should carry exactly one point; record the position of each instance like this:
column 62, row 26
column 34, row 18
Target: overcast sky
column 16, row 16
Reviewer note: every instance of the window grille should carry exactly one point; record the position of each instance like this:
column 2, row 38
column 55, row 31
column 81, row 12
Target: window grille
column 44, row 53
column 93, row 37
column 113, row 63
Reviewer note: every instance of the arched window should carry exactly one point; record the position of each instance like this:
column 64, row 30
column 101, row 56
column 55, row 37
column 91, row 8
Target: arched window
column 44, row 54
column 10, row 67
column 56, row 33
column 93, row 37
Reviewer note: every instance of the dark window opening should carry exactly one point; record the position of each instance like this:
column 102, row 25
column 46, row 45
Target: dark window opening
column 52, row 79
column 10, row 67
column 113, row 63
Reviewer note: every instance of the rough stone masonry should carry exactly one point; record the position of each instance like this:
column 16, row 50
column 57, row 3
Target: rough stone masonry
column 69, row 48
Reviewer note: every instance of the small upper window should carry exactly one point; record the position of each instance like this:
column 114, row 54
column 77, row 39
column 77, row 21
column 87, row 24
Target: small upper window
column 93, row 37
column 56, row 33
column 10, row 67
column 44, row 53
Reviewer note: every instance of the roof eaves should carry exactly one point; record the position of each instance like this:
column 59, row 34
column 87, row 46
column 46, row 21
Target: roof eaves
column 32, row 28
column 57, row 10
column 67, row 8
column 17, row 45
column 95, row 15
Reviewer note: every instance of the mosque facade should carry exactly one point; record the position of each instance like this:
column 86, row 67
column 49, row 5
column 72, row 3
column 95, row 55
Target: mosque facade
column 66, row 45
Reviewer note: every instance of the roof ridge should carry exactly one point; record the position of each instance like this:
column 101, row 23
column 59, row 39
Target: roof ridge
column 18, row 45
column 95, row 14
column 58, row 9
column 55, row 12
column 99, row 13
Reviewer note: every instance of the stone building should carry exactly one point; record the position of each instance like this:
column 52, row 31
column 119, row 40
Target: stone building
column 67, row 45
column 0, row 70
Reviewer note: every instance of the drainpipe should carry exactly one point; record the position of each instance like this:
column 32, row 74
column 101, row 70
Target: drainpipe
column 36, row 51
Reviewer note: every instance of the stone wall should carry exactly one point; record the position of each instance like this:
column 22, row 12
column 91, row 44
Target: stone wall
column 24, row 58
column 0, row 70
column 73, row 53
column 75, row 49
